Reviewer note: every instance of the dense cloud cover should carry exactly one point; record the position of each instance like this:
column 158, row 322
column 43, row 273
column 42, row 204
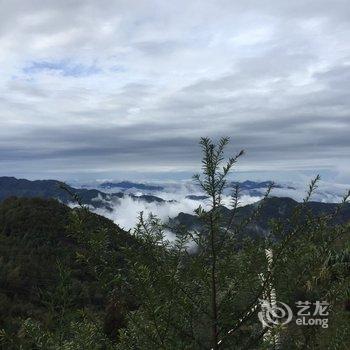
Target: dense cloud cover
column 186, row 196
column 127, row 87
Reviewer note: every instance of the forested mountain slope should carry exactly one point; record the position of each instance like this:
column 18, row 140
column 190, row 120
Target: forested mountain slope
column 39, row 269
column 273, row 208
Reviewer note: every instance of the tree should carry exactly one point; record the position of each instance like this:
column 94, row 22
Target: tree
column 209, row 299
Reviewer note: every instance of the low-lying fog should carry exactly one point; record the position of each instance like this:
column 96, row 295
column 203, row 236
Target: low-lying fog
column 175, row 195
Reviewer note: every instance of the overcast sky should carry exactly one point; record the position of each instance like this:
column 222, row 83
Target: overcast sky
column 101, row 89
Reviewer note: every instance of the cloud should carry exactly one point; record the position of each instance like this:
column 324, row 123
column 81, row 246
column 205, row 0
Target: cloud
column 112, row 86
column 126, row 210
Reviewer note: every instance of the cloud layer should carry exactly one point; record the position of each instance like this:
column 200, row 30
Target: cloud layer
column 118, row 87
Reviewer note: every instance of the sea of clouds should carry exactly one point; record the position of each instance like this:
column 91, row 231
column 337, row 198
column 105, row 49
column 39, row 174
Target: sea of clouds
column 125, row 211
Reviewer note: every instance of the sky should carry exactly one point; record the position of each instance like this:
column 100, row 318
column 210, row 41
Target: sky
column 100, row 89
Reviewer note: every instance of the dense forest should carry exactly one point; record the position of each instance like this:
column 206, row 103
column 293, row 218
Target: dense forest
column 41, row 276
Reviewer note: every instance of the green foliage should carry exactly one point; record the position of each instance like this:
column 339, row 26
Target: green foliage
column 82, row 334
column 209, row 297
column 41, row 276
column 93, row 286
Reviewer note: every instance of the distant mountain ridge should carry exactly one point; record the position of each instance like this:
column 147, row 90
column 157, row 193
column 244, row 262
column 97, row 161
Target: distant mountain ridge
column 196, row 197
column 13, row 187
column 256, row 188
column 129, row 185
column 248, row 187
column 253, row 185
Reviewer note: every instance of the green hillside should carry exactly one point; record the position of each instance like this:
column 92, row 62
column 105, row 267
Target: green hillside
column 40, row 274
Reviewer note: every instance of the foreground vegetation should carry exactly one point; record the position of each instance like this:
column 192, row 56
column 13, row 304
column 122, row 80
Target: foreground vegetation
column 80, row 282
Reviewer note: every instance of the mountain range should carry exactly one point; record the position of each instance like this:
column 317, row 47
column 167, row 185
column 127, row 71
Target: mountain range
column 11, row 186
column 273, row 208
column 126, row 185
